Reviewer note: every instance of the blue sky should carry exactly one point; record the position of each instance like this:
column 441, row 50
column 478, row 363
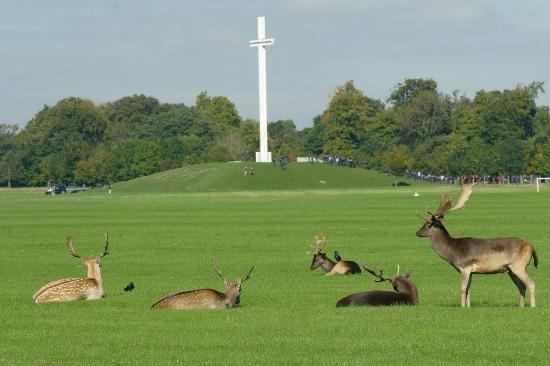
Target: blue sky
column 173, row 50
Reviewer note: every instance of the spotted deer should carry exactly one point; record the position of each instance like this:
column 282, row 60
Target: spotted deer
column 331, row 268
column 206, row 298
column 69, row 289
column 474, row 255
column 405, row 292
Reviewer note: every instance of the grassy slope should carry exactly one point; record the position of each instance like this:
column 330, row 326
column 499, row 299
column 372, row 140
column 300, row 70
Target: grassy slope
column 164, row 243
column 230, row 177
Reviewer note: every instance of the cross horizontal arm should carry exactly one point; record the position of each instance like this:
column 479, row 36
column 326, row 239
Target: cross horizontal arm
column 261, row 42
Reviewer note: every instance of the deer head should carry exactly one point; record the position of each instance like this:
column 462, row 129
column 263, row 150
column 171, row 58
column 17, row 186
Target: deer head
column 401, row 284
column 433, row 220
column 93, row 264
column 319, row 256
column 233, row 288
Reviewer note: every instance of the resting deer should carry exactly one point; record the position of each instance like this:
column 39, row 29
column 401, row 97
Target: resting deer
column 320, row 259
column 206, row 298
column 405, row 292
column 474, row 255
column 68, row 289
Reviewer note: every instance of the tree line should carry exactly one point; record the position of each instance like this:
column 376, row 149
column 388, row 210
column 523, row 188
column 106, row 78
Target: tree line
column 417, row 127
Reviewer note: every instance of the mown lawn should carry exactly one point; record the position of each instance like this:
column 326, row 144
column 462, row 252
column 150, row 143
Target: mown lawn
column 165, row 242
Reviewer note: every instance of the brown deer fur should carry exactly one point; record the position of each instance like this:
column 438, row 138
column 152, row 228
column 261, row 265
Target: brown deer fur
column 474, row 255
column 331, row 268
column 205, row 298
column 405, row 293
column 68, row 289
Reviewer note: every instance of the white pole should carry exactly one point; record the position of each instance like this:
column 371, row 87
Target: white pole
column 263, row 93
column 263, row 156
column 537, row 185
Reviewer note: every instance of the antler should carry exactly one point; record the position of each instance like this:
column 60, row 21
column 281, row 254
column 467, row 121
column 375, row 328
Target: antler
column 445, row 204
column 106, row 249
column 465, row 192
column 215, row 266
column 248, row 275
column 70, row 245
column 377, row 275
column 320, row 241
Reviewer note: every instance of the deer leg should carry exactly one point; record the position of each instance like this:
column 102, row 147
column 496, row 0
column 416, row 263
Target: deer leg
column 521, row 287
column 469, row 292
column 522, row 275
column 464, row 284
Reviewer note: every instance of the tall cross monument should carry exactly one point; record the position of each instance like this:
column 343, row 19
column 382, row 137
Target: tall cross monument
column 263, row 156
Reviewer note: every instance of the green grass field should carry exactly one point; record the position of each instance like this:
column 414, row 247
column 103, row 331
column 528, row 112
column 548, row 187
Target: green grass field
column 163, row 238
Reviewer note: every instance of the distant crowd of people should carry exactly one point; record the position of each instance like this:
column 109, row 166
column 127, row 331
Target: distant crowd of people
column 499, row 179
column 339, row 160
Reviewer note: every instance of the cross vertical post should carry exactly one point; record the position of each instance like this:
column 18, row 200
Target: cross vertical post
column 263, row 156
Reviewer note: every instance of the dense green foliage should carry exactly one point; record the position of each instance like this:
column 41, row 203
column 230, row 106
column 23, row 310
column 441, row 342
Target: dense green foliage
column 420, row 128
column 164, row 243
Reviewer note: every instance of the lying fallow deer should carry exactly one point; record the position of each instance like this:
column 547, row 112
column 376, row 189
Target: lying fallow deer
column 320, row 259
column 405, row 293
column 68, row 289
column 205, row 298
column 474, row 255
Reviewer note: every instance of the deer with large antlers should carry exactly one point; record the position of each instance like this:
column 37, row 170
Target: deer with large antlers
column 405, row 292
column 331, row 268
column 474, row 255
column 206, row 298
column 68, row 289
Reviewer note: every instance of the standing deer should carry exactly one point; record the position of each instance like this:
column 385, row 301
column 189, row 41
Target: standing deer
column 474, row 255
column 320, row 259
column 68, row 289
column 405, row 292
column 206, row 298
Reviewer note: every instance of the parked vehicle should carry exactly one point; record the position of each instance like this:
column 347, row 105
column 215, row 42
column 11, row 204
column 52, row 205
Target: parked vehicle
column 56, row 189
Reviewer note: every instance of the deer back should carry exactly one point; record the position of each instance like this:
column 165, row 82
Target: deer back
column 346, row 267
column 405, row 293
column 194, row 299
column 375, row 298
column 69, row 289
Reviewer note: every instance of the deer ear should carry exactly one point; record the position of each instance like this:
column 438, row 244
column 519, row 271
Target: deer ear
column 226, row 283
column 408, row 274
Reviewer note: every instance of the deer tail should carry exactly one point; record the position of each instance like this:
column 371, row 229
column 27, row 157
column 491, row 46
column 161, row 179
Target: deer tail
column 535, row 258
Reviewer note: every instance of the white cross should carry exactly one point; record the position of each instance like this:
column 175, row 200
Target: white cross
column 263, row 156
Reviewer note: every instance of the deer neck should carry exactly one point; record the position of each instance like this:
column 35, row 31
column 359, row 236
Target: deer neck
column 442, row 243
column 94, row 272
column 408, row 288
column 328, row 265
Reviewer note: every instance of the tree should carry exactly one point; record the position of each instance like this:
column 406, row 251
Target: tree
column 233, row 145
column 400, row 161
column 283, row 138
column 425, row 114
column 540, row 163
column 219, row 110
column 344, row 121
column 250, row 132
column 11, row 167
column 403, row 92
column 93, row 170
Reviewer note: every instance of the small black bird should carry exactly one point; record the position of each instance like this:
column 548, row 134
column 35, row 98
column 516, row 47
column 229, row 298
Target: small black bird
column 129, row 287
column 337, row 256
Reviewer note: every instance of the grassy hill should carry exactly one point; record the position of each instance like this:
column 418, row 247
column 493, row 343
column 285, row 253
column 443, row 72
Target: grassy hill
column 230, row 177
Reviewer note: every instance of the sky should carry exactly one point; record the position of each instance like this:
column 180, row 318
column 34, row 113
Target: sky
column 174, row 49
